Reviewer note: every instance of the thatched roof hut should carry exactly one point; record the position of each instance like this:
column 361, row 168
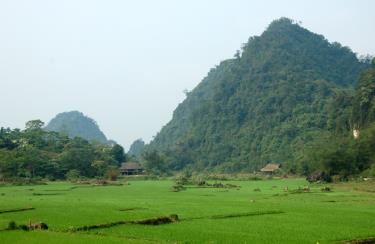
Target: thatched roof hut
column 131, row 168
column 271, row 168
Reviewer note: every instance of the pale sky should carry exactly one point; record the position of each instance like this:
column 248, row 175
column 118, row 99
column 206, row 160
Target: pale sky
column 126, row 63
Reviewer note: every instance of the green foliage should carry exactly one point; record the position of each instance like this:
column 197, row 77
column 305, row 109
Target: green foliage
column 341, row 155
column 12, row 225
column 78, row 154
column 76, row 124
column 112, row 173
column 35, row 153
column 364, row 100
column 34, row 125
column 117, row 152
column 370, row 172
column 271, row 103
column 154, row 162
column 100, row 167
column 72, row 175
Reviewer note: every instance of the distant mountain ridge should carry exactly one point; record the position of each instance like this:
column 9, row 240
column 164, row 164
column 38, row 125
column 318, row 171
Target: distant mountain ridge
column 75, row 123
column 136, row 148
column 267, row 104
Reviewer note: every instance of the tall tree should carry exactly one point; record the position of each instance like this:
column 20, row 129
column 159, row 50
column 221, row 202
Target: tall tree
column 118, row 154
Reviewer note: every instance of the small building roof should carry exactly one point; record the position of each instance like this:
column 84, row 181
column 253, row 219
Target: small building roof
column 130, row 165
column 270, row 167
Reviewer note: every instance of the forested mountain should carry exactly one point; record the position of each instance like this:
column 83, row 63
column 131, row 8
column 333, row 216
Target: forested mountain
column 270, row 103
column 74, row 124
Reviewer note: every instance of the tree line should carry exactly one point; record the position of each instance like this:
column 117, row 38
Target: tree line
column 37, row 153
column 333, row 151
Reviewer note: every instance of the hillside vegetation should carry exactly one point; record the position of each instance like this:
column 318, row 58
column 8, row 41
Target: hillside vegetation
column 344, row 154
column 74, row 124
column 136, row 148
column 34, row 153
column 272, row 102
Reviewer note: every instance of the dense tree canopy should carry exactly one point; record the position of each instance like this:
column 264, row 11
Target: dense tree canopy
column 341, row 153
column 270, row 103
column 35, row 152
column 364, row 102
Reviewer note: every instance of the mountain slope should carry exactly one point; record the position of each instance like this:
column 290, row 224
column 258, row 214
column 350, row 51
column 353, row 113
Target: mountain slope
column 74, row 124
column 266, row 104
column 136, row 148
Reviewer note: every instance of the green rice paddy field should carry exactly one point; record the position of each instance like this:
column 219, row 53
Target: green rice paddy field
column 257, row 212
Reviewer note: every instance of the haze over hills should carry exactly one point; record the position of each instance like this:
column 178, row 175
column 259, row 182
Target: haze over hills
column 75, row 123
column 267, row 104
column 136, row 148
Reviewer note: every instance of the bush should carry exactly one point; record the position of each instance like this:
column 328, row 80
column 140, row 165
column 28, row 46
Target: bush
column 41, row 226
column 305, row 189
column 337, row 178
column 177, row 188
column 369, row 172
column 181, row 179
column 72, row 175
column 112, row 174
column 159, row 220
column 12, row 225
column 319, row 176
column 199, row 180
column 326, row 189
column 23, row 227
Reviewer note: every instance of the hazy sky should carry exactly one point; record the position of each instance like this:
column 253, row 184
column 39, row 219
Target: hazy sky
column 126, row 63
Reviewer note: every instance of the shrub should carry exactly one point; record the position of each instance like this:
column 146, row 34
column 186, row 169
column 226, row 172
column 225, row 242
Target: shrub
column 23, row 227
column 177, row 188
column 305, row 189
column 370, row 172
column 326, row 189
column 221, row 177
column 181, row 179
column 337, row 178
column 43, row 226
column 112, row 174
column 319, row 176
column 198, row 180
column 12, row 225
column 72, row 175
column 159, row 220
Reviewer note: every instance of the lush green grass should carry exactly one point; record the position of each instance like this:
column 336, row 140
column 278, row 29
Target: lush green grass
column 267, row 216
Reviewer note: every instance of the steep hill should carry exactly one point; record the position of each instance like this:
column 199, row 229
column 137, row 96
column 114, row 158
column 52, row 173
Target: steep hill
column 136, row 148
column 266, row 104
column 74, row 124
